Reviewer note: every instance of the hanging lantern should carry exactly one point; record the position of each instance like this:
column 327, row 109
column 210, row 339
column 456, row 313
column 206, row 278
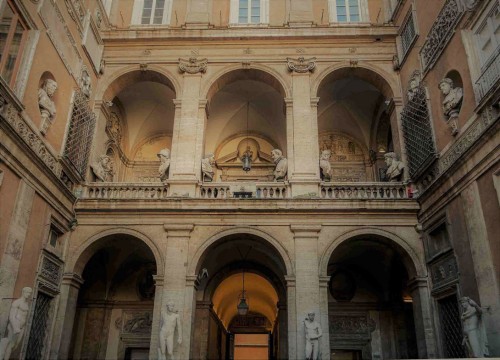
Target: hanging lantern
column 247, row 161
column 242, row 303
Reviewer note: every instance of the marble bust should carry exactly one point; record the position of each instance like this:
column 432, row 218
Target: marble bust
column 325, row 166
column 46, row 104
column 451, row 103
column 103, row 169
column 281, row 165
column 474, row 331
column 312, row 333
column 395, row 167
column 164, row 156
column 169, row 321
column 207, row 168
column 16, row 324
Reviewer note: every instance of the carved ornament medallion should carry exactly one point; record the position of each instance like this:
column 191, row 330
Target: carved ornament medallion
column 193, row 65
column 301, row 65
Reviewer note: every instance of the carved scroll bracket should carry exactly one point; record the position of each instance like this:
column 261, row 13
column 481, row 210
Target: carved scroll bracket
column 301, row 65
column 193, row 65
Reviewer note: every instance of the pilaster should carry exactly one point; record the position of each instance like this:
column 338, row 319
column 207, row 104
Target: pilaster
column 323, row 319
column 155, row 326
column 300, row 13
column 176, row 260
column 307, row 282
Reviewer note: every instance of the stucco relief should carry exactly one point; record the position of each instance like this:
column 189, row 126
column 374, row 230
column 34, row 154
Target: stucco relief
column 114, row 127
column 347, row 158
column 193, row 65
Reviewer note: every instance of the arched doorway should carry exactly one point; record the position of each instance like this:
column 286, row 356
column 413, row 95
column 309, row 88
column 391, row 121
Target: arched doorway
column 220, row 331
column 114, row 308
column 356, row 121
column 370, row 301
column 246, row 114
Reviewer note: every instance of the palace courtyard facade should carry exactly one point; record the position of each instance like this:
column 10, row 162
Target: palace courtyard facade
column 249, row 179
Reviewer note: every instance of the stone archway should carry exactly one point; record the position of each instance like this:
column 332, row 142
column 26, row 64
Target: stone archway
column 377, row 297
column 108, row 297
column 225, row 260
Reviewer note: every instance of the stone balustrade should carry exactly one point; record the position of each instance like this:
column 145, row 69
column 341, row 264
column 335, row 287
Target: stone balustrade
column 364, row 190
column 150, row 191
column 214, row 191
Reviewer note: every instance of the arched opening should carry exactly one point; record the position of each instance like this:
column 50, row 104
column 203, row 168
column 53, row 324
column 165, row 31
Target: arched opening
column 220, row 329
column 139, row 121
column 246, row 113
column 370, row 301
column 354, row 124
column 114, row 310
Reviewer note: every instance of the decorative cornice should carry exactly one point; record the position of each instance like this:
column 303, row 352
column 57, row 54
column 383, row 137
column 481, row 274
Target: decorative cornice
column 193, row 65
column 301, row 65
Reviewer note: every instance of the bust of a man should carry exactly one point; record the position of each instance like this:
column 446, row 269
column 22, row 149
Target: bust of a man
column 325, row 166
column 17, row 323
column 452, row 97
column 395, row 167
column 164, row 156
column 103, row 169
column 281, row 165
column 46, row 104
column 207, row 168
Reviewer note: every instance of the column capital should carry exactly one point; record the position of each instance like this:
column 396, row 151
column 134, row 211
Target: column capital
column 303, row 230
column 323, row 281
column 314, row 101
column 417, row 282
column 158, row 279
column 72, row 279
column 290, row 281
column 177, row 103
column 178, row 230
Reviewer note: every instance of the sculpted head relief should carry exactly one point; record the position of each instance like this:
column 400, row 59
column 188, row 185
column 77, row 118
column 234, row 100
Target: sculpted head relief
column 103, row 169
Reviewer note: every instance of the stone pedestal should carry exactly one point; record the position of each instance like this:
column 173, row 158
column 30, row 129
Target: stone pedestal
column 176, row 260
column 300, row 13
column 307, row 284
column 198, row 14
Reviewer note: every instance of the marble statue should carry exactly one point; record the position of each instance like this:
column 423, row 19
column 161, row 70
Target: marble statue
column 207, row 169
column 413, row 86
column 475, row 338
column 86, row 83
column 281, row 165
column 395, row 167
column 164, row 156
column 313, row 332
column 16, row 324
column 451, row 103
column 103, row 169
column 169, row 320
column 46, row 104
column 325, row 166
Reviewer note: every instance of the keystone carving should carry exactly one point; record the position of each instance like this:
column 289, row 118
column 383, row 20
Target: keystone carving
column 301, row 65
column 193, row 65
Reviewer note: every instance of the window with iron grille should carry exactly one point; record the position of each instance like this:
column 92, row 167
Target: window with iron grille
column 80, row 133
column 38, row 332
column 417, row 133
column 407, row 35
column 451, row 327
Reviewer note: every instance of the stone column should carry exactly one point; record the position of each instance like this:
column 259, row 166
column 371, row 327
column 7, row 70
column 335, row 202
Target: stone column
column 292, row 317
column 300, row 13
column 307, row 284
column 11, row 258
column 302, row 130
column 487, row 283
column 198, row 14
column 176, row 260
column 323, row 302
column 187, row 140
column 282, row 331
column 422, row 315
column 155, row 326
column 65, row 319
